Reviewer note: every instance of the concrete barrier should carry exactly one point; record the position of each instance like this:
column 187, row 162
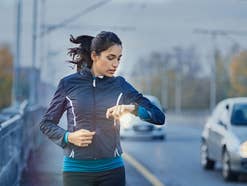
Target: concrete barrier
column 19, row 135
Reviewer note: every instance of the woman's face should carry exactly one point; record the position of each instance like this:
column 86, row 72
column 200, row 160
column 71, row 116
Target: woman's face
column 107, row 62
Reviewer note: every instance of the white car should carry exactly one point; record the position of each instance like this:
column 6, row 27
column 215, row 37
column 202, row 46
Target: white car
column 133, row 127
column 224, row 138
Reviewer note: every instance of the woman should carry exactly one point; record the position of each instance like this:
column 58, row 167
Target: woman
column 94, row 100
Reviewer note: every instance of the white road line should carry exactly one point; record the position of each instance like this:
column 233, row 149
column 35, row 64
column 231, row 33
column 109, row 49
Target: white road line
column 145, row 172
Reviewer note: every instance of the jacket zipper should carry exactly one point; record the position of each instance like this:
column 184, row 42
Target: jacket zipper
column 94, row 114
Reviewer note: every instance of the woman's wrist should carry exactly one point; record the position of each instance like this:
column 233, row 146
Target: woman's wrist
column 66, row 137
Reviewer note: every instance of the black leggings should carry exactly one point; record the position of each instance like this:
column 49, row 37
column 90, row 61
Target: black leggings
column 114, row 177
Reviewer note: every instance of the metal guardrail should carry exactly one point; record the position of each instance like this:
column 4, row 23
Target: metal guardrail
column 19, row 135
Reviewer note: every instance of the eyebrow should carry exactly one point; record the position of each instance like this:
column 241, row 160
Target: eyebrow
column 115, row 55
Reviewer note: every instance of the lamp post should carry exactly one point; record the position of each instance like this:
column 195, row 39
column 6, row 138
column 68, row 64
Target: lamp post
column 32, row 94
column 16, row 70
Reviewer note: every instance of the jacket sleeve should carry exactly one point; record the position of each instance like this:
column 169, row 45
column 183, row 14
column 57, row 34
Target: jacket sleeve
column 49, row 123
column 132, row 96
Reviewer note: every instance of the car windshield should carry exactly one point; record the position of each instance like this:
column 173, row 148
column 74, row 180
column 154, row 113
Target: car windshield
column 239, row 115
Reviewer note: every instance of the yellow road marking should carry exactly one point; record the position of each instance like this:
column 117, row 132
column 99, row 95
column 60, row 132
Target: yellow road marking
column 145, row 172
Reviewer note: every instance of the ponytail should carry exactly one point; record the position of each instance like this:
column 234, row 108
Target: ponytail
column 81, row 55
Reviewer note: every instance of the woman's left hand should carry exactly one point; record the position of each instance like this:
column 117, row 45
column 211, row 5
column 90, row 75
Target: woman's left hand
column 119, row 110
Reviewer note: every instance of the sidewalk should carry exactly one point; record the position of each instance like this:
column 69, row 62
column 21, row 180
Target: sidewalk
column 44, row 167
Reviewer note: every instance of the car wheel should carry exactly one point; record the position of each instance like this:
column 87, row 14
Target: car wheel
column 206, row 163
column 159, row 137
column 162, row 137
column 227, row 173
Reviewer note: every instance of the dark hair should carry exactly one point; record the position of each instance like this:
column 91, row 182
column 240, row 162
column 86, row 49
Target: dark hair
column 81, row 56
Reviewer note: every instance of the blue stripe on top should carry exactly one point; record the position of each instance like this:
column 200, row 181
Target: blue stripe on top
column 74, row 165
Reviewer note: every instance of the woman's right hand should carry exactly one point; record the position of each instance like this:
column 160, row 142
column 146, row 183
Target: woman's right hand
column 81, row 138
column 117, row 111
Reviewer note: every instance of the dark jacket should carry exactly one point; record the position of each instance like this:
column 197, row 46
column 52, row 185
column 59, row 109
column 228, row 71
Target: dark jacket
column 86, row 99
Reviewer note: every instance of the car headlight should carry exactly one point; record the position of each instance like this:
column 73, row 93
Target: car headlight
column 243, row 150
column 125, row 121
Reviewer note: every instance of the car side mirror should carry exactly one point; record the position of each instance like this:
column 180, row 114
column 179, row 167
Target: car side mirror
column 227, row 107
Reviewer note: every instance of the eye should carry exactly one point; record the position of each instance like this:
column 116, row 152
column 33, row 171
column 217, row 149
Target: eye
column 110, row 57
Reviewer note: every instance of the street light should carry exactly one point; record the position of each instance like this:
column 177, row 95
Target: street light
column 16, row 74
column 33, row 91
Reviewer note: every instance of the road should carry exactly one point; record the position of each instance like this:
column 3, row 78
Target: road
column 174, row 162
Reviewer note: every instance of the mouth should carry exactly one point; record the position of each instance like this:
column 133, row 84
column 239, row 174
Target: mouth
column 111, row 71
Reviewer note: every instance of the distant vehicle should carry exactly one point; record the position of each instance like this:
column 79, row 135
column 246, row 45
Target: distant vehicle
column 224, row 138
column 133, row 127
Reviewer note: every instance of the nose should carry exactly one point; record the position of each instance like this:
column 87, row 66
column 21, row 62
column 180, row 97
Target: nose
column 115, row 63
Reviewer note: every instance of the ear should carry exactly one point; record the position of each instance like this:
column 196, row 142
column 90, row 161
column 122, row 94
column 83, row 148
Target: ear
column 94, row 56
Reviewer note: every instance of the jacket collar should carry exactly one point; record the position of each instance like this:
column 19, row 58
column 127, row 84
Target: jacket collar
column 86, row 72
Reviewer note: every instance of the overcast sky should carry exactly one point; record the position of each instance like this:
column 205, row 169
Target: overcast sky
column 154, row 25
